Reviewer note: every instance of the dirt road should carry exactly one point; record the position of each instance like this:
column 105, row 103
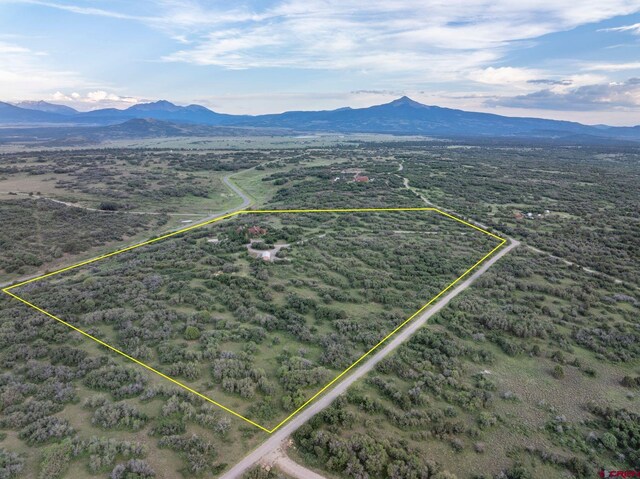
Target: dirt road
column 284, row 463
column 276, row 439
column 584, row 268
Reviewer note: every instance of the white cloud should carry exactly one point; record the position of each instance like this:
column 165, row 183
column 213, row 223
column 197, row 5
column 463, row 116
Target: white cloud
column 421, row 40
column 93, row 100
column 634, row 29
column 506, row 75
column 400, row 45
column 612, row 67
column 25, row 74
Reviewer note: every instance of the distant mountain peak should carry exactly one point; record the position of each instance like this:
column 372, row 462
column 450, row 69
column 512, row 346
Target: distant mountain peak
column 162, row 103
column 406, row 101
column 194, row 107
column 155, row 105
column 41, row 105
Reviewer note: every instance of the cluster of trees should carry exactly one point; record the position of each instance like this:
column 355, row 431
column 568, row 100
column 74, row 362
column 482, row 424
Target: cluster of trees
column 530, row 306
column 119, row 180
column 271, row 333
column 313, row 187
column 136, row 468
column 120, row 381
column 623, row 432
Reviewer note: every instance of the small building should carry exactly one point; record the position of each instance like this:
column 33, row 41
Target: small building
column 361, row 179
column 266, row 255
column 256, row 231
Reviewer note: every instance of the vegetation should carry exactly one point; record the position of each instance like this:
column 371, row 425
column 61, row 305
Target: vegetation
column 42, row 233
column 532, row 372
column 264, row 335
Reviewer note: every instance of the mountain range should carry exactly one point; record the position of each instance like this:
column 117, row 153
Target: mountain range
column 403, row 116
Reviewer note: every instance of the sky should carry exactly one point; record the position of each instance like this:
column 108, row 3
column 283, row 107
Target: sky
column 574, row 60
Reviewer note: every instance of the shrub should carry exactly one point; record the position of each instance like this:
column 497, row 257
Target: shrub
column 55, row 460
column 191, row 333
column 631, row 382
column 44, row 429
column 133, row 469
column 609, row 441
column 11, row 464
column 558, row 372
column 119, row 381
column 120, row 415
column 108, row 206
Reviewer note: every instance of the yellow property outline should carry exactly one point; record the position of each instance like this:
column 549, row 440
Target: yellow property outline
column 7, row 290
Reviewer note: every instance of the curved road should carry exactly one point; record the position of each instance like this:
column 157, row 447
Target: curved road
column 276, row 439
column 246, row 201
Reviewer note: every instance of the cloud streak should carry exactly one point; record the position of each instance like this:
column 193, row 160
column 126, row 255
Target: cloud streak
column 603, row 96
column 426, row 36
column 635, row 29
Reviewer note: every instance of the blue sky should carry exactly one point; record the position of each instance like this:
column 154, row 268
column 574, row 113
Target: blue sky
column 548, row 58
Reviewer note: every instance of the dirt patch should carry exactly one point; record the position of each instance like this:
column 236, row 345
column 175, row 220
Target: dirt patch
column 266, row 254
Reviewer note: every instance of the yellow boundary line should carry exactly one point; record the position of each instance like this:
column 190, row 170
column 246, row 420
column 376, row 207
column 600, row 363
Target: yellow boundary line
column 220, row 218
